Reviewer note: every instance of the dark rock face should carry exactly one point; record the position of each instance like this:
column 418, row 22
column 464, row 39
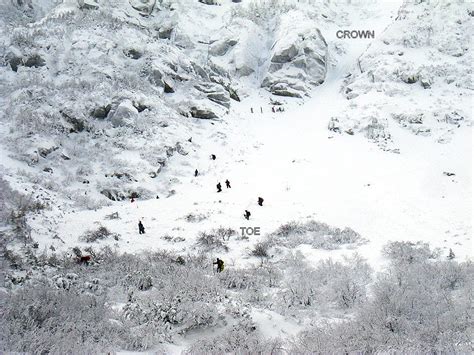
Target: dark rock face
column 35, row 61
column 219, row 98
column 202, row 113
column 76, row 124
column 44, row 152
column 101, row 112
column 168, row 88
column 283, row 89
column 209, row 2
column 411, row 79
column 15, row 62
column 113, row 194
column 221, row 47
column 117, row 195
column 15, row 59
column 215, row 92
column 133, row 53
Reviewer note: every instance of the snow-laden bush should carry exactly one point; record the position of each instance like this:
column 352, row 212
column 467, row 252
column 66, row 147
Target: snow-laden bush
column 344, row 283
column 214, row 240
column 97, row 234
column 341, row 284
column 185, row 298
column 42, row 319
column 422, row 306
column 242, row 338
column 179, row 296
column 252, row 278
column 318, row 235
column 261, row 12
column 261, row 250
column 140, row 280
column 409, row 252
column 195, row 217
column 14, row 208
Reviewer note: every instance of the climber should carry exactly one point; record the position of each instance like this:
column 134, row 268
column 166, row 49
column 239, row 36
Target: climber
column 196, row 172
column 260, row 201
column 220, row 265
column 219, row 187
column 227, row 184
column 141, row 228
column 247, row 215
column 213, row 156
column 273, row 109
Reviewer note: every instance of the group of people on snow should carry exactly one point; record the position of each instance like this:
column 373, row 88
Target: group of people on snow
column 274, row 109
column 219, row 186
column 247, row 214
column 227, row 184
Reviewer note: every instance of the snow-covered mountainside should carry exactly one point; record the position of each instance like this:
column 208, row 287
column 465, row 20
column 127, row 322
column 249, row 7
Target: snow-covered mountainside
column 85, row 81
column 110, row 112
column 417, row 75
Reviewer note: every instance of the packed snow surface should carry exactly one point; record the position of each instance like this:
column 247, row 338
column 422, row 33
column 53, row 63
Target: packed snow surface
column 302, row 171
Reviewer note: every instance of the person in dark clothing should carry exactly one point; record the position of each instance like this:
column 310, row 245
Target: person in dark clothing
column 213, row 156
column 219, row 187
column 196, row 172
column 273, row 109
column 251, row 110
column 141, row 228
column 227, row 184
column 220, row 265
column 260, row 201
column 247, row 215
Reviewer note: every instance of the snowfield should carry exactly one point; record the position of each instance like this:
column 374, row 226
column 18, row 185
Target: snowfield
column 365, row 238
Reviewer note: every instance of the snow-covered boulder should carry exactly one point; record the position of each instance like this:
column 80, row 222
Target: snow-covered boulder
column 221, row 47
column 203, row 113
column 123, row 115
column 215, row 93
column 88, row 4
column 144, row 7
column 298, row 58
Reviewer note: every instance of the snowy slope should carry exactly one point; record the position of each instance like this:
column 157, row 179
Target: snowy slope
column 303, row 170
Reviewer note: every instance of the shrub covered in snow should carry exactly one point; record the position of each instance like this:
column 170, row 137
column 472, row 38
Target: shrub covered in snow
column 243, row 338
column 215, row 239
column 318, row 235
column 98, row 234
column 409, row 252
column 14, row 208
column 41, row 319
column 422, row 306
column 341, row 284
